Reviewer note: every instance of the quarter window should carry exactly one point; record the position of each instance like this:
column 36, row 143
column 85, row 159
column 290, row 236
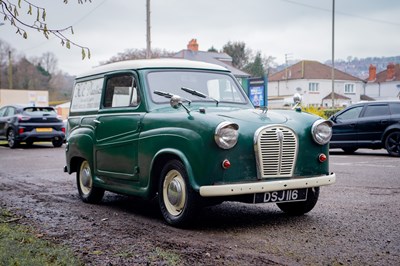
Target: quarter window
column 395, row 108
column 349, row 88
column 313, row 87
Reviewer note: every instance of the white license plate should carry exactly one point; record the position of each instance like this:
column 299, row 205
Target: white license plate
column 281, row 196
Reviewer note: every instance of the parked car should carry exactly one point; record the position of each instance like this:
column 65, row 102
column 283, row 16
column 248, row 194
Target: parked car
column 186, row 132
column 31, row 124
column 372, row 125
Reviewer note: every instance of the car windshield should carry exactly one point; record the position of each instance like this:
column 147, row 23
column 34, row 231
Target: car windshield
column 219, row 86
column 34, row 111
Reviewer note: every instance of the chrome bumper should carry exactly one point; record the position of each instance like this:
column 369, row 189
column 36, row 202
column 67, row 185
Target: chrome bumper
column 266, row 186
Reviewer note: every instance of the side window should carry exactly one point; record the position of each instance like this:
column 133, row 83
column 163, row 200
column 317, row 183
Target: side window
column 377, row 110
column 395, row 108
column 3, row 111
column 87, row 95
column 352, row 113
column 11, row 111
column 121, row 91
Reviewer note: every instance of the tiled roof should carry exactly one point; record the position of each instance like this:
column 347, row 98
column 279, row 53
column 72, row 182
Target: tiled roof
column 382, row 76
column 221, row 59
column 337, row 96
column 310, row 70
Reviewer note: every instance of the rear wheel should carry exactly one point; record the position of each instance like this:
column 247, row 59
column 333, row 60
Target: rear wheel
column 349, row 150
column 176, row 197
column 57, row 142
column 12, row 142
column 301, row 207
column 392, row 143
column 87, row 191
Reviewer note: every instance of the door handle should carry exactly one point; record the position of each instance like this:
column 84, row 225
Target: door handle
column 384, row 122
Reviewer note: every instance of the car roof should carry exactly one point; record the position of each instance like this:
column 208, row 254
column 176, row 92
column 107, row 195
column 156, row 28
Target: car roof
column 152, row 63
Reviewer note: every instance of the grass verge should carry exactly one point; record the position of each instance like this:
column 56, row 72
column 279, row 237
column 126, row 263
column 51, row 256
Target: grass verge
column 20, row 245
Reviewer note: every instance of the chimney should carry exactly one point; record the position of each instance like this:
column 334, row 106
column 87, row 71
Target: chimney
column 193, row 45
column 390, row 72
column 372, row 73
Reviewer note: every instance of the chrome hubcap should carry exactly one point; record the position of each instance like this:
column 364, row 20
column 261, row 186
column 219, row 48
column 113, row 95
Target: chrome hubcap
column 174, row 192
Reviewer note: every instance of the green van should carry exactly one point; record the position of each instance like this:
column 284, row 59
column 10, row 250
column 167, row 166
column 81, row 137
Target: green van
column 186, row 132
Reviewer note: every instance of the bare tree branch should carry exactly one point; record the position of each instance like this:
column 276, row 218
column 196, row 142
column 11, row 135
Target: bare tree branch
column 10, row 11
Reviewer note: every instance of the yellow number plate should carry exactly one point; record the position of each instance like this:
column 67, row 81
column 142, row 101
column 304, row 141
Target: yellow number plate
column 47, row 129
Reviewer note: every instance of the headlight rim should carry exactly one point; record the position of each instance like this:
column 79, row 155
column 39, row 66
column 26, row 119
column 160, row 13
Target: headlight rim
column 314, row 131
column 218, row 137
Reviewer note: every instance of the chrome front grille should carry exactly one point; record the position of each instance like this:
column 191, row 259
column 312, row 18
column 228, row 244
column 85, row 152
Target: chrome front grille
column 276, row 150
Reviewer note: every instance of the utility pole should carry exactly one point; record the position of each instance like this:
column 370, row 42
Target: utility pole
column 148, row 36
column 333, row 54
column 10, row 74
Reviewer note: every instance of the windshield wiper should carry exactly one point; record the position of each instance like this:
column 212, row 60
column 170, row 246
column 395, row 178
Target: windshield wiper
column 165, row 94
column 169, row 95
column 199, row 94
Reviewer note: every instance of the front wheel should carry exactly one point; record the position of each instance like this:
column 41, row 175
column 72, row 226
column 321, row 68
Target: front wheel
column 11, row 138
column 392, row 143
column 87, row 191
column 301, row 207
column 176, row 197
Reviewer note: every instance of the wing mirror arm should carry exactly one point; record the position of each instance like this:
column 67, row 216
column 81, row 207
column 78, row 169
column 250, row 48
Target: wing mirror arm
column 176, row 102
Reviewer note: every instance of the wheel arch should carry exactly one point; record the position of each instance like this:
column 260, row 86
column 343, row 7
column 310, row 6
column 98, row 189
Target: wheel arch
column 160, row 159
column 390, row 129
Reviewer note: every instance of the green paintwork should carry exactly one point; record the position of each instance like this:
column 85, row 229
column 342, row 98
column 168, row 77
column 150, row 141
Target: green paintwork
column 126, row 148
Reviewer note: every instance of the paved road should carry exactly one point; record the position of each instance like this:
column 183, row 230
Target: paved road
column 355, row 222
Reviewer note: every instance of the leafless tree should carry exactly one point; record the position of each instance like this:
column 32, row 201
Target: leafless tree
column 10, row 10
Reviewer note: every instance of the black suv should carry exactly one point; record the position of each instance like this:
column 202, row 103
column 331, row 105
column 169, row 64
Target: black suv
column 373, row 125
column 31, row 124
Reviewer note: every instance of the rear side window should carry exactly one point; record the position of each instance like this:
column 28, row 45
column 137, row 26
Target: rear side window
column 87, row 95
column 377, row 110
column 121, row 91
column 395, row 108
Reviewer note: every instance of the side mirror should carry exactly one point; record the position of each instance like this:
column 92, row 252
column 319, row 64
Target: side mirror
column 176, row 101
column 297, row 98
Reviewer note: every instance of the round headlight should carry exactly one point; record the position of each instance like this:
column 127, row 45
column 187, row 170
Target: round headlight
column 322, row 131
column 226, row 135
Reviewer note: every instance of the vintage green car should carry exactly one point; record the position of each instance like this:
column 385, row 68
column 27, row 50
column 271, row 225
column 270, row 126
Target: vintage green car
column 186, row 132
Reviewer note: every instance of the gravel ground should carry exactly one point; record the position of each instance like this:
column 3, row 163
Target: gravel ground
column 355, row 222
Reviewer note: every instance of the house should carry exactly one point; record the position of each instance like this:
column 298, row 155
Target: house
column 313, row 80
column 192, row 53
column 385, row 85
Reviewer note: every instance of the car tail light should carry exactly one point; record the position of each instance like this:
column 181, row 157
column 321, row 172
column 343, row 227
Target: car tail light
column 20, row 130
column 23, row 118
column 63, row 130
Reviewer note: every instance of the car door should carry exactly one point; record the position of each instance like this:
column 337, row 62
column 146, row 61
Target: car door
column 345, row 126
column 373, row 121
column 117, row 129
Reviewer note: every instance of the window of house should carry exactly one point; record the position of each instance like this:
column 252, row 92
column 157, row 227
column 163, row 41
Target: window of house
column 349, row 88
column 313, row 87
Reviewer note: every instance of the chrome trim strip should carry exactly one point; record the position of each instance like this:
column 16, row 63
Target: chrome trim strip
column 266, row 186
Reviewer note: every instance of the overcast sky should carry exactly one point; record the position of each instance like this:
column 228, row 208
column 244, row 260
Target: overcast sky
column 301, row 29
